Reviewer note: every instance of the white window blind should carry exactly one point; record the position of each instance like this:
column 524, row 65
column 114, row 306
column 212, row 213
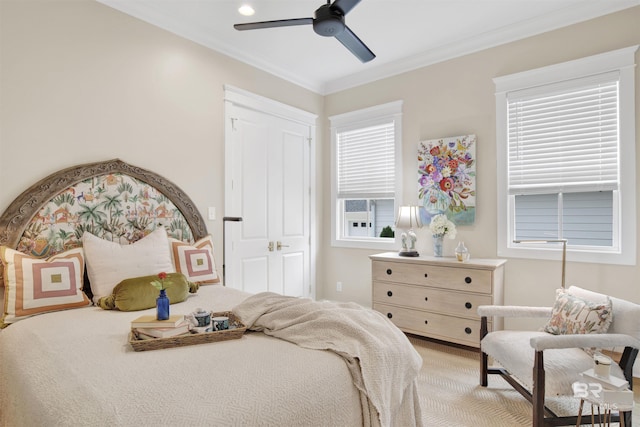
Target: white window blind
column 366, row 162
column 565, row 139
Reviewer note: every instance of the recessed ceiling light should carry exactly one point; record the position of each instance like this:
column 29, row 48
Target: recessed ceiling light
column 246, row 10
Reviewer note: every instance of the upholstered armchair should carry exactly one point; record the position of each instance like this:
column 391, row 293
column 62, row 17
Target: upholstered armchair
column 548, row 361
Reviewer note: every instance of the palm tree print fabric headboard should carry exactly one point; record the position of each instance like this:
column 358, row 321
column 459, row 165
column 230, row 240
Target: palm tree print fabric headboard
column 114, row 207
column 112, row 200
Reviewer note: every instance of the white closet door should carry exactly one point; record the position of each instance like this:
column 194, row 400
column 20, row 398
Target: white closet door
column 268, row 185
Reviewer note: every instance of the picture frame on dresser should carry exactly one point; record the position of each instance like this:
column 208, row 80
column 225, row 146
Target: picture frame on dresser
column 437, row 297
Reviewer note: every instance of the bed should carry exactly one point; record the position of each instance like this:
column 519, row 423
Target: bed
column 73, row 364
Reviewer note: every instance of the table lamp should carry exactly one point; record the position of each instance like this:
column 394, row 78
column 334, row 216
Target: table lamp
column 408, row 219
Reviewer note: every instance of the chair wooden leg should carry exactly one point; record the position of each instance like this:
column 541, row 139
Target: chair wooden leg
column 538, row 390
column 626, row 418
column 484, row 368
column 484, row 359
column 580, row 412
column 629, row 356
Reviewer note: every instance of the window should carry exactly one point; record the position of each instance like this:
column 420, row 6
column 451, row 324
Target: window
column 366, row 165
column 566, row 146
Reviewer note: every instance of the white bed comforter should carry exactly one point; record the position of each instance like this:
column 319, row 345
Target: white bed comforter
column 76, row 368
column 382, row 362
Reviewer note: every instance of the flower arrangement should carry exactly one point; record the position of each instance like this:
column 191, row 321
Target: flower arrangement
column 441, row 226
column 161, row 283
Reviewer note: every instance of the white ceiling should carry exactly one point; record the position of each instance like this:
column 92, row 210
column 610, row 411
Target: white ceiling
column 404, row 34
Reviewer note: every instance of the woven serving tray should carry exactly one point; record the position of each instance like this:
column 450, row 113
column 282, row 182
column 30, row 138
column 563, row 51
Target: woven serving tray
column 235, row 331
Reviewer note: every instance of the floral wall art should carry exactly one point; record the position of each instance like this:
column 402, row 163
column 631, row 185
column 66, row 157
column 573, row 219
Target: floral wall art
column 447, row 178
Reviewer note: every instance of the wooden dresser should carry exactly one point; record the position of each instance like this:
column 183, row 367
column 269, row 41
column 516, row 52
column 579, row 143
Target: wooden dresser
column 437, row 297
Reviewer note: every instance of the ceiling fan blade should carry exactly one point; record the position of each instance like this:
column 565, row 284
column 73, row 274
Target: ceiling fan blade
column 355, row 45
column 345, row 5
column 273, row 24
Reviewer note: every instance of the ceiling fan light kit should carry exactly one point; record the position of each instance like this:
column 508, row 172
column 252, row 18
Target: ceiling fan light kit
column 328, row 21
column 246, row 10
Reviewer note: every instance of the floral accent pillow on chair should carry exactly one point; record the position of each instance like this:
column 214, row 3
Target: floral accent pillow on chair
column 575, row 315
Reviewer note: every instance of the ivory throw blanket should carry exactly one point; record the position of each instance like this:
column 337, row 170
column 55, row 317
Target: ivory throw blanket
column 383, row 364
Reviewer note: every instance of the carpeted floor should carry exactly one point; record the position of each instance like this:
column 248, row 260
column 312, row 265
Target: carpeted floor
column 451, row 396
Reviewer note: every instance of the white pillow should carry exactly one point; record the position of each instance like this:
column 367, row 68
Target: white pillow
column 109, row 263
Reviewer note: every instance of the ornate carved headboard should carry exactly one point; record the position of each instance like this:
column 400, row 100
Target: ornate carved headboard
column 112, row 199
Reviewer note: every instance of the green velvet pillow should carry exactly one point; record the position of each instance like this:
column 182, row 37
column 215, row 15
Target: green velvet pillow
column 139, row 294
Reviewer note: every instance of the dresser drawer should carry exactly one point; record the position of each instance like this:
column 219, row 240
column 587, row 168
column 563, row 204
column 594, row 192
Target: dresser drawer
column 434, row 325
column 430, row 299
column 461, row 279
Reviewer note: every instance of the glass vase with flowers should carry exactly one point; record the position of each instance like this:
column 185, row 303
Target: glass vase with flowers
column 440, row 227
column 162, row 302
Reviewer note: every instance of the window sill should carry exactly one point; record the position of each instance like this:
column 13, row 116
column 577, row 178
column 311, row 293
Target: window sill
column 365, row 244
column 573, row 255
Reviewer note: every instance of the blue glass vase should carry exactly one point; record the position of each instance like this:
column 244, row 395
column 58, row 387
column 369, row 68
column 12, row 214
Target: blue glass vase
column 437, row 245
column 162, row 305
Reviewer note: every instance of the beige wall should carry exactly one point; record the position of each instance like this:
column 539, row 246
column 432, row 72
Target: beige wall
column 457, row 98
column 81, row 82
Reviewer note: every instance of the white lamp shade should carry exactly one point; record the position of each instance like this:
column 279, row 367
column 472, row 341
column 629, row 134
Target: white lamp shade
column 408, row 217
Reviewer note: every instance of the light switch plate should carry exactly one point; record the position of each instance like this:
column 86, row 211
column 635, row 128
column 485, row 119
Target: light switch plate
column 212, row 213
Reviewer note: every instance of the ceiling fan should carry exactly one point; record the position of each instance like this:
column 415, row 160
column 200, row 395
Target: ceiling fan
column 328, row 21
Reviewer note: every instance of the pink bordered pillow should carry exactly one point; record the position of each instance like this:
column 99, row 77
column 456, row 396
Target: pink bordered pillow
column 195, row 261
column 35, row 286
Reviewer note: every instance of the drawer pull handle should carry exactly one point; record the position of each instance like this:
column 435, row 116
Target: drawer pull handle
column 468, row 305
column 426, row 275
column 426, row 298
column 426, row 322
column 467, row 279
column 389, row 293
column 389, row 315
column 467, row 330
column 389, row 271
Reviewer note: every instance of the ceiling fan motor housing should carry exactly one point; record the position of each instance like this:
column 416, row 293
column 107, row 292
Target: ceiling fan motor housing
column 328, row 22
